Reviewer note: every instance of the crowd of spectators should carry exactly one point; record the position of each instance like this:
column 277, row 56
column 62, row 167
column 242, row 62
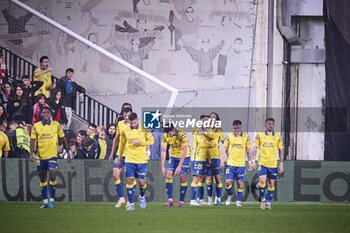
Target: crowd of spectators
column 21, row 102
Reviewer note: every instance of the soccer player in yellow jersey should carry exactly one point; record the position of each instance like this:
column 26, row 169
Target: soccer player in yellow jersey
column 237, row 146
column 121, row 125
column 201, row 144
column 43, row 73
column 135, row 141
column 45, row 137
column 215, row 135
column 268, row 143
column 179, row 161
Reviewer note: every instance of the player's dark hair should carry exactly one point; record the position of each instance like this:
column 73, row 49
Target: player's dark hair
column 125, row 105
column 69, row 70
column 203, row 116
column 126, row 109
column 132, row 116
column 237, row 122
column 270, row 119
column 43, row 58
column 168, row 128
column 216, row 115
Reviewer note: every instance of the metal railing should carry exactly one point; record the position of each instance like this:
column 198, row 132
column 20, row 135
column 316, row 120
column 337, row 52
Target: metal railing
column 90, row 110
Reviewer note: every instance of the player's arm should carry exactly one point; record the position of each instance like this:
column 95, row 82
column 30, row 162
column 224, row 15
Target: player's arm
column 163, row 155
column 281, row 156
column 41, row 72
column 253, row 152
column 224, row 154
column 114, row 146
column 122, row 145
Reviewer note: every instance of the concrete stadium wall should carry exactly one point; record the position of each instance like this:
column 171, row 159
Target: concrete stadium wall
column 92, row 181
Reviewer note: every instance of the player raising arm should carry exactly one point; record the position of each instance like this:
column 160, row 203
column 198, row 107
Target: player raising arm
column 45, row 137
column 268, row 143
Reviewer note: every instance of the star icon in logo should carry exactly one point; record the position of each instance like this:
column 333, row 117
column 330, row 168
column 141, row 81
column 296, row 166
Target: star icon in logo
column 156, row 115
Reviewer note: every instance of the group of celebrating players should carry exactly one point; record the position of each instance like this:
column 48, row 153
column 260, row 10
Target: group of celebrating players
column 205, row 160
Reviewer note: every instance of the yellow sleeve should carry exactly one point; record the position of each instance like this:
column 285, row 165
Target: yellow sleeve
column 280, row 142
column 60, row 132
column 122, row 143
column 38, row 77
column 7, row 143
column 226, row 142
column 164, row 139
column 33, row 134
column 183, row 138
column 247, row 143
column 149, row 138
column 257, row 140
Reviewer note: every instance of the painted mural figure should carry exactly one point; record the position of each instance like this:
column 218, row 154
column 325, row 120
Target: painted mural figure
column 135, row 56
column 204, row 57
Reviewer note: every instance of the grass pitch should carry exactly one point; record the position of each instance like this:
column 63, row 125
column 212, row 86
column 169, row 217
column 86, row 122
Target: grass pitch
column 103, row 217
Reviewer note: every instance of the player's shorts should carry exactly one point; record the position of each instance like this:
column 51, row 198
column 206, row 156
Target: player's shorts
column 214, row 168
column 174, row 162
column 235, row 173
column 46, row 164
column 122, row 162
column 270, row 172
column 199, row 168
column 137, row 170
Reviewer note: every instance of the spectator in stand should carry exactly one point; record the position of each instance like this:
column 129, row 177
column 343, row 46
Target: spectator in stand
column 69, row 90
column 89, row 149
column 6, row 93
column 3, row 70
column 58, row 111
column 37, row 108
column 29, row 87
column 3, row 113
column 17, row 107
column 110, row 135
column 91, row 130
column 100, row 137
column 19, row 140
column 4, row 144
column 80, row 137
column 43, row 73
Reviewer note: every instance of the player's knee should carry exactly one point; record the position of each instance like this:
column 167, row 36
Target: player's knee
column 183, row 178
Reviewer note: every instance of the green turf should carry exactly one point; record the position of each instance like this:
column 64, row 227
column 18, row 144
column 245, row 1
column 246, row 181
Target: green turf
column 103, row 217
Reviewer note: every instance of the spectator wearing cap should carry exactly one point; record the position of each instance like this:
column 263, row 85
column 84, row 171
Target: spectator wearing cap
column 69, row 90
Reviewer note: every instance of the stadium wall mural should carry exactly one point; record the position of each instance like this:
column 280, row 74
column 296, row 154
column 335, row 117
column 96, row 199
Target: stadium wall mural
column 189, row 44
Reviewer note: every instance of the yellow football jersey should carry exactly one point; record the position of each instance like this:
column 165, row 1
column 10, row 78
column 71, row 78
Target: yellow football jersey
column 237, row 147
column 215, row 136
column 135, row 154
column 268, row 145
column 47, row 138
column 201, row 145
column 175, row 143
column 103, row 148
column 47, row 82
column 120, row 128
column 4, row 143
